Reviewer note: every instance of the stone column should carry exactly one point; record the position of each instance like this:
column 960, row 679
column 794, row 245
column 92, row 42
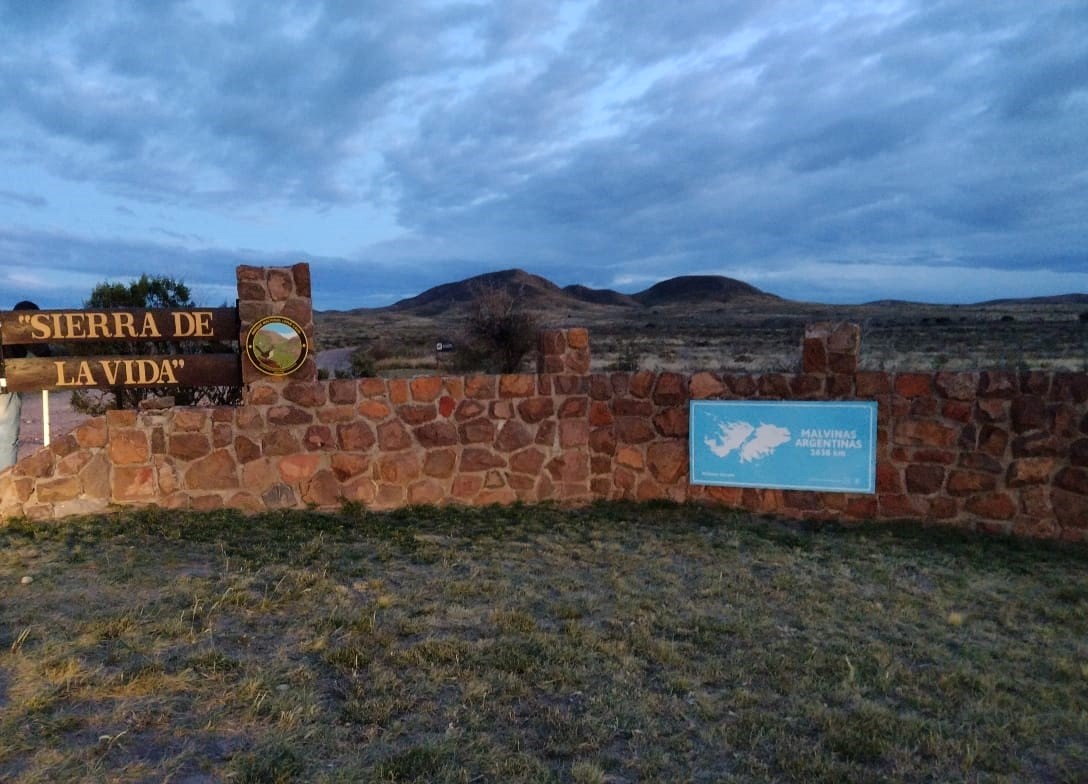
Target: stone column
column 564, row 351
column 276, row 291
column 831, row 348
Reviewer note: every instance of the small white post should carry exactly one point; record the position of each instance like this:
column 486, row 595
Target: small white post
column 45, row 417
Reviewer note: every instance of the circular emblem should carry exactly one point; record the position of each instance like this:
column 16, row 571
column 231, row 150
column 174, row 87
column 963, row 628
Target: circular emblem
column 276, row 345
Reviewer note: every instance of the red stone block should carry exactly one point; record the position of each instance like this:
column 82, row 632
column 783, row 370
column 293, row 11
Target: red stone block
column 308, row 394
column 997, row 383
column 280, row 442
column 873, row 383
column 480, row 459
column 92, row 434
column 517, row 385
column 1028, row 413
column 391, row 437
column 281, row 284
column 773, row 385
column 568, row 384
column 374, row 410
column 941, row 508
column 1029, row 471
column 398, row 391
column 814, row 355
column 285, row 416
column 545, row 433
column 957, row 386
column 481, row 387
column 417, row 414
column 569, row 467
column 672, row 422
column 600, row 386
column 1035, row 382
column 992, row 506
column 630, row 457
column 924, row 479
column 957, row 410
column 127, row 446
column 573, row 432
column 840, row 386
column 887, row 478
column 1037, row 444
column 806, row 385
column 467, row 486
column 913, row 385
column 513, row 435
column 425, row 389
column 993, row 440
column 359, row 488
column 602, row 441
column 892, row 505
column 578, row 337
column 398, row 469
column 216, row 471
column 574, row 407
column 190, row 419
column 349, row 464
column 189, row 446
column 743, row 386
column 633, row 430
column 551, row 341
column 600, row 464
column 1075, row 480
column 373, row 387
column 440, row 463
column 1070, row 509
column 642, row 383
column 434, row 434
column 845, row 364
column 446, row 406
column 980, row 461
column 938, row 456
column 667, row 460
column 322, row 490
column 600, row 414
column 969, row 482
column 334, row 414
column 355, row 436
column 629, row 407
column 478, row 431
column 1071, row 387
column 705, row 386
column 534, row 409
column 1078, row 452
column 670, row 389
column 926, row 433
column 527, row 461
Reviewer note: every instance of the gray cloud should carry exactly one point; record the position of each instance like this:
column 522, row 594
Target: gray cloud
column 592, row 142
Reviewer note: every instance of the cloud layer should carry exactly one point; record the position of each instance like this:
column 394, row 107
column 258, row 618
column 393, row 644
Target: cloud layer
column 826, row 151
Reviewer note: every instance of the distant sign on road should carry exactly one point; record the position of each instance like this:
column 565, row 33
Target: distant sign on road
column 789, row 445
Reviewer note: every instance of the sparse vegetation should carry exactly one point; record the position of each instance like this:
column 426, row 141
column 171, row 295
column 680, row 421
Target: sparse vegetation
column 499, row 332
column 536, row 644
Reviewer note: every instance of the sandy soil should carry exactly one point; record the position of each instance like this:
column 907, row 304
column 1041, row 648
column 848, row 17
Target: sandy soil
column 62, row 418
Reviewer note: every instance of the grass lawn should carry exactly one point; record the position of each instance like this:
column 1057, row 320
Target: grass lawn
column 617, row 643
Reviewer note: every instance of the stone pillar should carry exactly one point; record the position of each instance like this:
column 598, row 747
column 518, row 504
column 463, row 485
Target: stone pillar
column 563, row 351
column 276, row 291
column 831, row 348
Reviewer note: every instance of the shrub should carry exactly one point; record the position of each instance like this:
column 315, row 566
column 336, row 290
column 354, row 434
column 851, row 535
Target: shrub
column 499, row 332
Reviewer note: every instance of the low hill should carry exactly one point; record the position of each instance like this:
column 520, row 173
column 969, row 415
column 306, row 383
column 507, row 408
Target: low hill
column 600, row 296
column 699, row 288
column 531, row 290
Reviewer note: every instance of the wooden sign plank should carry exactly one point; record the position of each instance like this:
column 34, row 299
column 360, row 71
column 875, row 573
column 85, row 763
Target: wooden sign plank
column 187, row 370
column 119, row 324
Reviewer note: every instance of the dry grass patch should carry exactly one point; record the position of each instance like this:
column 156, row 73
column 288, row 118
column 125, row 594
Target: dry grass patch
column 617, row 643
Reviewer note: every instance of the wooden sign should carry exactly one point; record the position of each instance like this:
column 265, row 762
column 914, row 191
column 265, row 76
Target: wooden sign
column 123, row 324
column 190, row 370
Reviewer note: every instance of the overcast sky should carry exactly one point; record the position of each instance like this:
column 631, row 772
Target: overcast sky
column 834, row 152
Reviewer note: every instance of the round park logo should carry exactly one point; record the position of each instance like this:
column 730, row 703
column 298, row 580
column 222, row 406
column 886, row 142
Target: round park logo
column 276, row 345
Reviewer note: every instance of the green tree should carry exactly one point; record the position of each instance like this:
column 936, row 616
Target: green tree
column 148, row 292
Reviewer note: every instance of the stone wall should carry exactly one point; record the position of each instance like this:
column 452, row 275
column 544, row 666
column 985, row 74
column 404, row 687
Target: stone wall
column 996, row 450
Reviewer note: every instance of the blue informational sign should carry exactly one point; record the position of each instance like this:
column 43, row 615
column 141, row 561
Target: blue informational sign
column 791, row 445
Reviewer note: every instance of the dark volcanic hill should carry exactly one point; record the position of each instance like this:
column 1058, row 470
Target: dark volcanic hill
column 699, row 288
column 600, row 296
column 530, row 290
